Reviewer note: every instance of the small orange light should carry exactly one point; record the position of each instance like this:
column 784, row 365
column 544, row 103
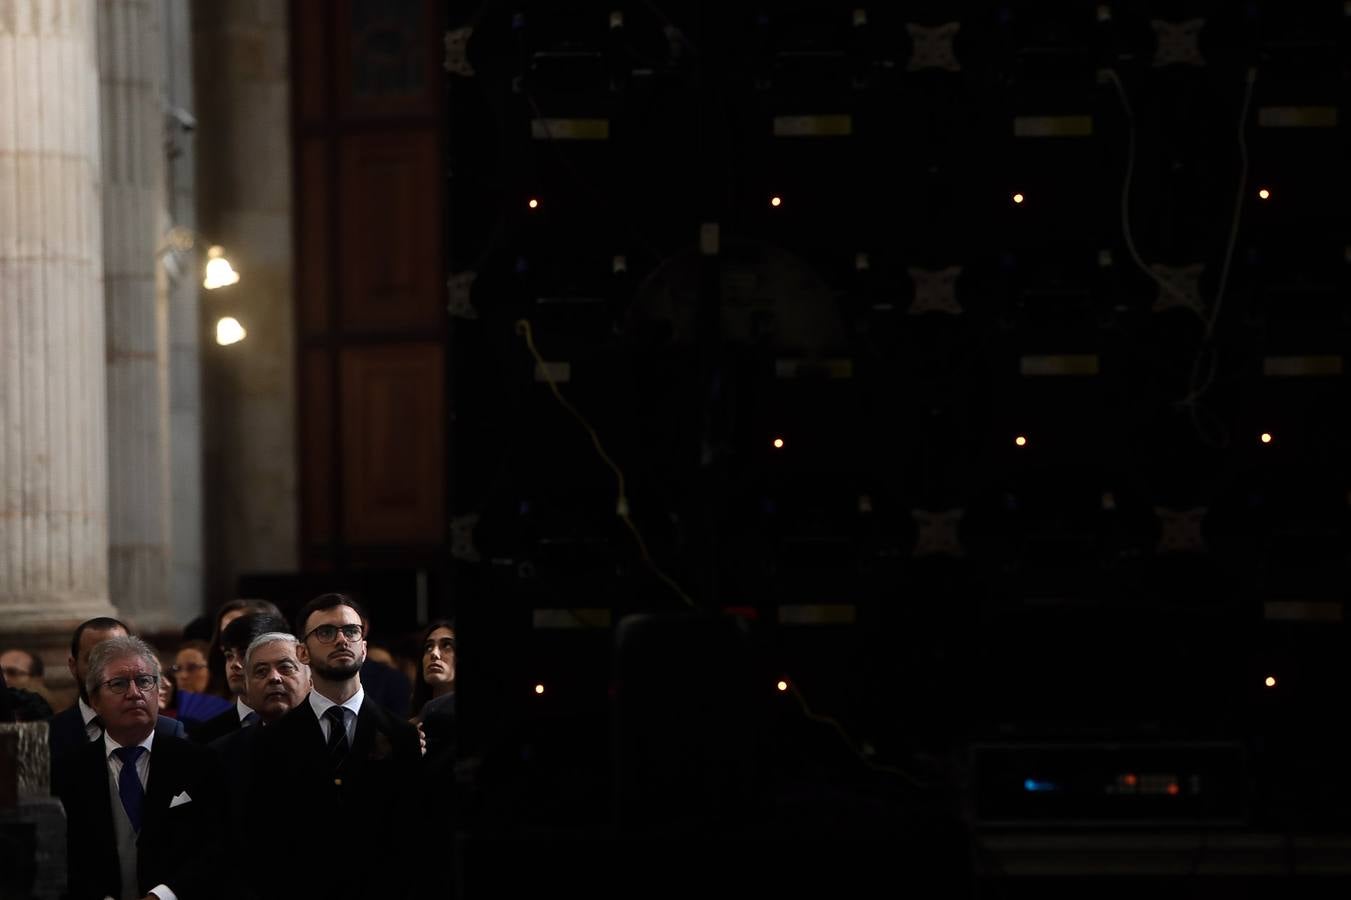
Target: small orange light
column 533, row 204
column 1271, row 681
column 1018, row 198
column 1266, row 437
column 1264, row 194
column 778, row 443
column 1129, row 779
column 782, row 686
column 539, row 689
column 1020, row 441
column 1173, row 789
column 776, row 201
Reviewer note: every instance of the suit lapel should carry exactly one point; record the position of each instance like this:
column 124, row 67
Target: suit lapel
column 369, row 722
column 163, row 781
column 95, row 789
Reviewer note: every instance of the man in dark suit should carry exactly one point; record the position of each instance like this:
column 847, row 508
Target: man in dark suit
column 143, row 810
column 70, row 730
column 275, row 683
column 350, row 766
column 234, row 642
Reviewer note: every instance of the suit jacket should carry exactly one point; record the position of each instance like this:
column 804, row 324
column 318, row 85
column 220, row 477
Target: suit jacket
column 66, row 735
column 372, row 798
column 217, row 727
column 238, row 753
column 179, row 846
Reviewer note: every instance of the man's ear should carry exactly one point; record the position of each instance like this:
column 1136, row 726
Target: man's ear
column 303, row 654
column 70, row 664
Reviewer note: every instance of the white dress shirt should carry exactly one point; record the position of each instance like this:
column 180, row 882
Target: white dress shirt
column 320, row 704
column 243, row 709
column 91, row 731
column 162, row 891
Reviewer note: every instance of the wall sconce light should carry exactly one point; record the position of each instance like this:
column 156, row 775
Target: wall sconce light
column 229, row 331
column 219, row 272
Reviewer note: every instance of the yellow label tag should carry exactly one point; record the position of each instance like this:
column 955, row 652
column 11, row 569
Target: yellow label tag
column 591, row 617
column 817, row 614
column 1297, row 117
column 1295, row 366
column 1059, row 364
column 814, row 126
column 570, row 129
column 1052, row 126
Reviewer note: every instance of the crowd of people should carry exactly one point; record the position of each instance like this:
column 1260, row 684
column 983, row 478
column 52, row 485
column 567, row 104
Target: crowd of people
column 294, row 734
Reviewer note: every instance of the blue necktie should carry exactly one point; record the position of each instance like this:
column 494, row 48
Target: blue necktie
column 129, row 784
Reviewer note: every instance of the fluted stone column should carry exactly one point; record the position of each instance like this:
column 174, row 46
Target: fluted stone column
column 186, row 578
column 130, row 46
column 53, row 449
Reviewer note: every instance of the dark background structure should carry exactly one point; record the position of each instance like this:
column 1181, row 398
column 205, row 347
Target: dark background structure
column 985, row 361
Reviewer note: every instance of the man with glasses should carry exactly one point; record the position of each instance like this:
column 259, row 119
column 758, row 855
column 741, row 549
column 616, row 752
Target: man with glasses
column 143, row 810
column 72, row 729
column 343, row 759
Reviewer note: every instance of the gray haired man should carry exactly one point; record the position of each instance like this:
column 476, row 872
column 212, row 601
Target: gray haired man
column 143, row 810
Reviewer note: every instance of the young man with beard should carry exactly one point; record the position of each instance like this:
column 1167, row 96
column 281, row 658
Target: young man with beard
column 343, row 760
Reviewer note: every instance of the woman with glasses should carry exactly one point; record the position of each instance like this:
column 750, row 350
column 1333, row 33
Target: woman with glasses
column 196, row 699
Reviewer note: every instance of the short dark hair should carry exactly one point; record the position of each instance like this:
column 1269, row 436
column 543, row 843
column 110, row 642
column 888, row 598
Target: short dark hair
column 328, row 601
column 35, row 669
column 249, row 605
column 241, row 632
column 98, row 623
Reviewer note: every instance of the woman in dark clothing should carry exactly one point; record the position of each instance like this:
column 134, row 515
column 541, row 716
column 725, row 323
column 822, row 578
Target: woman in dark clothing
column 436, row 673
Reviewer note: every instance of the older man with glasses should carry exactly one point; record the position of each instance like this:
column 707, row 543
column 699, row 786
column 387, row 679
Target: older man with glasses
column 143, row 810
column 348, row 764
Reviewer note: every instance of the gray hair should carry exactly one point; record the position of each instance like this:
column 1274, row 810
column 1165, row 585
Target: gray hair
column 113, row 649
column 268, row 637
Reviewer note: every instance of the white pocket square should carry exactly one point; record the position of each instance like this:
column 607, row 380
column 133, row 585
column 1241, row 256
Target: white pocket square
column 180, row 800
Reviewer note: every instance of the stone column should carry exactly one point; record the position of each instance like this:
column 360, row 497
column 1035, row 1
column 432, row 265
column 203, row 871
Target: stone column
column 53, row 446
column 130, row 45
column 186, row 578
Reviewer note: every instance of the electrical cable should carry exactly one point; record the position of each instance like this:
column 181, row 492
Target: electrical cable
column 1205, row 365
column 621, row 491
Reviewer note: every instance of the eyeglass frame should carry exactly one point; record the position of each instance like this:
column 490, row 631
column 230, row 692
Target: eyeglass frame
column 314, row 632
column 134, row 679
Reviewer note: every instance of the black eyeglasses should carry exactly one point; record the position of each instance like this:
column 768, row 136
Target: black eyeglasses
column 120, row 685
column 327, row 634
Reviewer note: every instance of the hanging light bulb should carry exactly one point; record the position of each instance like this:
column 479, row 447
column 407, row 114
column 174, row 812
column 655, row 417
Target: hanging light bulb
column 229, row 331
column 219, row 272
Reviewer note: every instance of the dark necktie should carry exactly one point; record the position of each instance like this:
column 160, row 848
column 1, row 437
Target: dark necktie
column 337, row 735
column 251, row 719
column 129, row 784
